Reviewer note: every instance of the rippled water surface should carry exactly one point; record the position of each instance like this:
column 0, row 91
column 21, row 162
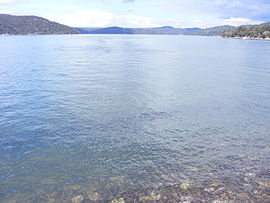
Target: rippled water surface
column 134, row 118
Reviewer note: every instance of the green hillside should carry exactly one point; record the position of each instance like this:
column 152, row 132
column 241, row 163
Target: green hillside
column 17, row 25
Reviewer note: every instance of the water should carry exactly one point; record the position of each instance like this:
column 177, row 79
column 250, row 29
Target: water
column 87, row 117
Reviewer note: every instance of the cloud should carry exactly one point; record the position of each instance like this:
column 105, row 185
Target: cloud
column 251, row 9
column 6, row 1
column 97, row 18
column 128, row 1
column 91, row 18
column 240, row 21
column 154, row 13
column 12, row 2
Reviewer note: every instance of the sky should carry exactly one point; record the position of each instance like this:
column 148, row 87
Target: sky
column 143, row 13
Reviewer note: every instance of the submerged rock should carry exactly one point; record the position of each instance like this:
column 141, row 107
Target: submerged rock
column 215, row 184
column 154, row 196
column 186, row 199
column 250, row 174
column 243, row 197
column 193, row 169
column 77, row 199
column 93, row 196
column 118, row 200
column 264, row 183
column 184, row 186
column 211, row 189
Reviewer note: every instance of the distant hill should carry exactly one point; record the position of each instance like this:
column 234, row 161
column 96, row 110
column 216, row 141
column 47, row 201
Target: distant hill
column 16, row 25
column 119, row 30
column 165, row 30
column 193, row 29
column 253, row 32
column 158, row 31
column 164, row 27
column 110, row 30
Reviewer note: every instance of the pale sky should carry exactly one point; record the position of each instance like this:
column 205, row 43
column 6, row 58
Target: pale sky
column 143, row 13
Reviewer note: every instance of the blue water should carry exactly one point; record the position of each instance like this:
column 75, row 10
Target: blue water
column 99, row 116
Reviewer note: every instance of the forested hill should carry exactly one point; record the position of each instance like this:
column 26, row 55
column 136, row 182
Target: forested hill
column 253, row 32
column 21, row 25
column 212, row 31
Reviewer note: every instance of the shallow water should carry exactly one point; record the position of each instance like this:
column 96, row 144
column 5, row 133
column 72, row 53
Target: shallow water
column 134, row 118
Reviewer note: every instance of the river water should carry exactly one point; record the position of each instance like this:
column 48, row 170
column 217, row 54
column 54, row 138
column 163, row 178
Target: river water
column 128, row 118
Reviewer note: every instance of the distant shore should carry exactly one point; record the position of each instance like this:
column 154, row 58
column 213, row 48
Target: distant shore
column 243, row 38
column 248, row 38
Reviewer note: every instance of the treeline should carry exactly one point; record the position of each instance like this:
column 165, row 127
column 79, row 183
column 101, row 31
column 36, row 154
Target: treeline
column 254, row 32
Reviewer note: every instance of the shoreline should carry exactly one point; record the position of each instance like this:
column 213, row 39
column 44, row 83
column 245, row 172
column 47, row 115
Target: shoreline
column 34, row 34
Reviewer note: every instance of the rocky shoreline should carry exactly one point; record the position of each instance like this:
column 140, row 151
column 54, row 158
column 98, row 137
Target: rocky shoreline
column 253, row 188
